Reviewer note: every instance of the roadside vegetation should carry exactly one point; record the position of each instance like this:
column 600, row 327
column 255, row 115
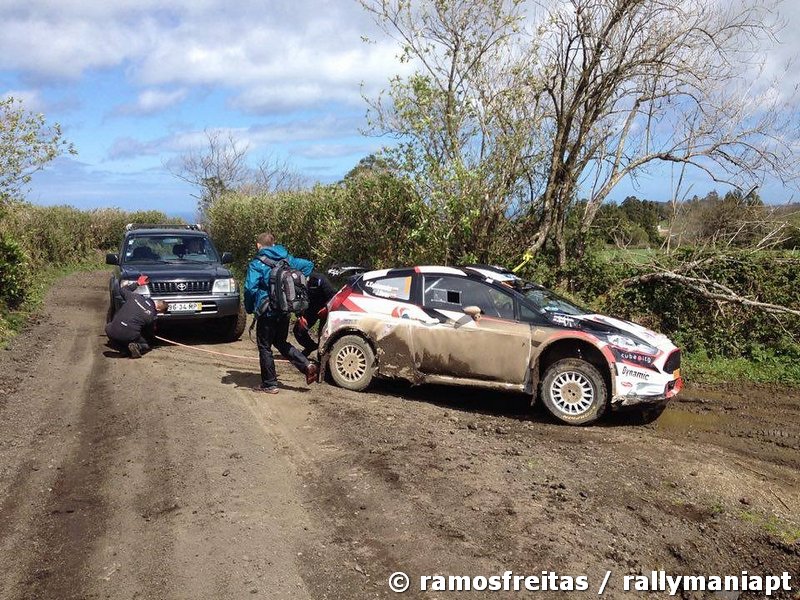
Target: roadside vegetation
column 40, row 244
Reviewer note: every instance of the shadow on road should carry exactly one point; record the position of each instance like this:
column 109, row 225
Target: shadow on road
column 249, row 380
column 489, row 402
column 190, row 333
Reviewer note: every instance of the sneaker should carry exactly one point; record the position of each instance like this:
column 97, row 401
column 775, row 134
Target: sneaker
column 312, row 372
column 266, row 390
column 134, row 349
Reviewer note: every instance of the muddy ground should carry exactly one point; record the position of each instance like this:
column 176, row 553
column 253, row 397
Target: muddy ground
column 167, row 477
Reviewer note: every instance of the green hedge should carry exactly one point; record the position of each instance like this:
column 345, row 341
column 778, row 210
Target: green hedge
column 376, row 222
column 34, row 238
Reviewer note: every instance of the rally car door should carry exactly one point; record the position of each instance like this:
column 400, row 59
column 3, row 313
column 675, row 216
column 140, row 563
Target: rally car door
column 494, row 347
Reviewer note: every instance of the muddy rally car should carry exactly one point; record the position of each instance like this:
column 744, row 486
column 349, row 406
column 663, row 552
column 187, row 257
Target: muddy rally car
column 483, row 326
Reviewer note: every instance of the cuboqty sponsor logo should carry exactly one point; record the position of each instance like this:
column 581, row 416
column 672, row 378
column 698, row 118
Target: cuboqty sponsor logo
column 634, row 357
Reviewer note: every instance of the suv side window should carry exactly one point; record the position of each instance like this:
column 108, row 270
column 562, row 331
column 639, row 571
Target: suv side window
column 393, row 288
column 448, row 292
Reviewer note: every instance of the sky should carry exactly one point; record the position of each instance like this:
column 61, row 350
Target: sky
column 135, row 83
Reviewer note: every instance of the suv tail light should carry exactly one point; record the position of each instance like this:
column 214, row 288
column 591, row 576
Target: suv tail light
column 336, row 302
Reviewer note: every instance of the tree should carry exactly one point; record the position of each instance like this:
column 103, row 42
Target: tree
column 503, row 118
column 462, row 119
column 628, row 83
column 27, row 144
column 222, row 166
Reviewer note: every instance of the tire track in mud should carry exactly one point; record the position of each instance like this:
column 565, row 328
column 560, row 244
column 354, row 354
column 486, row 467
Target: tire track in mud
column 76, row 511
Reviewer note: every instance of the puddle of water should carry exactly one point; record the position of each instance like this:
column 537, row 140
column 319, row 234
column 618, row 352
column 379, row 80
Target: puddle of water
column 682, row 420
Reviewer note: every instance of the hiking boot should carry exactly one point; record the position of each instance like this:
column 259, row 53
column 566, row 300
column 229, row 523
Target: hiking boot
column 312, row 372
column 266, row 390
column 134, row 349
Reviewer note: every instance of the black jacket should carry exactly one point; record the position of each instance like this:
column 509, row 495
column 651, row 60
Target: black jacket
column 137, row 314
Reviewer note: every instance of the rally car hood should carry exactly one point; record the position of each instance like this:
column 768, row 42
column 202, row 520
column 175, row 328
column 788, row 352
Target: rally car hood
column 176, row 270
column 603, row 325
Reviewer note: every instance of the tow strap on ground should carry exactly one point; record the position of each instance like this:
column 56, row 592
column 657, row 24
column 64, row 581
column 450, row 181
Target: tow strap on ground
column 237, row 356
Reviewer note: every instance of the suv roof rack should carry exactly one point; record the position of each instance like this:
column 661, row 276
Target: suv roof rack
column 132, row 226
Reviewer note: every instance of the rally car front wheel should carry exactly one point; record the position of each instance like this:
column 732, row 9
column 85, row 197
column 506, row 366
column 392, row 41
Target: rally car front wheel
column 352, row 363
column 574, row 391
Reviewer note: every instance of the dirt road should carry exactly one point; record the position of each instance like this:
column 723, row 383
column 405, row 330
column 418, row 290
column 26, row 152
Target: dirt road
column 167, row 477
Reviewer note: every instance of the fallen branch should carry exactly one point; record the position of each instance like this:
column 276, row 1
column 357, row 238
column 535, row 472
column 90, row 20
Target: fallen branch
column 711, row 290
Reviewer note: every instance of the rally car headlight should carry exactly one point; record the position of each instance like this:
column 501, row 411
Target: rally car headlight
column 224, row 286
column 142, row 289
column 631, row 344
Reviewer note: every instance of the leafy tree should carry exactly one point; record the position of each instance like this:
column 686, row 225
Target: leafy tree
column 27, row 144
column 462, row 119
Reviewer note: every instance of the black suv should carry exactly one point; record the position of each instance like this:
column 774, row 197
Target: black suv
column 185, row 271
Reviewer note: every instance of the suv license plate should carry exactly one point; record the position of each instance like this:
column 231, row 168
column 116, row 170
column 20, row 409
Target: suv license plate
column 182, row 307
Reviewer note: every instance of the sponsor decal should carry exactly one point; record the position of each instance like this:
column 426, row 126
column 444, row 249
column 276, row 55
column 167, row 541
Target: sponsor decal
column 563, row 320
column 394, row 287
column 635, row 374
column 400, row 312
column 636, row 357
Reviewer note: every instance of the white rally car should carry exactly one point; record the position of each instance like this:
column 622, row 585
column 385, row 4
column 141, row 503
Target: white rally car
column 483, row 326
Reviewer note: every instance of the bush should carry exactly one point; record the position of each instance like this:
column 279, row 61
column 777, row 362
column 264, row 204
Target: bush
column 13, row 273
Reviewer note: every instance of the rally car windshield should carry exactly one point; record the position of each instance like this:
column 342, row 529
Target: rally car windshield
column 157, row 249
column 549, row 302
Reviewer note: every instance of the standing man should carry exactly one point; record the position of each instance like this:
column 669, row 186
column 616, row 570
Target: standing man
column 320, row 291
column 272, row 328
column 135, row 320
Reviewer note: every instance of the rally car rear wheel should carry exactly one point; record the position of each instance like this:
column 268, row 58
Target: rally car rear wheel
column 352, row 363
column 574, row 391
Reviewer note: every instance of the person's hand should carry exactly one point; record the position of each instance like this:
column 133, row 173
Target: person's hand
column 302, row 323
column 143, row 280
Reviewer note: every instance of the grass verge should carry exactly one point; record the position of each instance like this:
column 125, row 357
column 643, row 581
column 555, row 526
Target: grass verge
column 697, row 367
column 12, row 321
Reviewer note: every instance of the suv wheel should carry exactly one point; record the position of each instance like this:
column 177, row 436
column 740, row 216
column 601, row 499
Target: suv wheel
column 574, row 391
column 110, row 312
column 352, row 363
column 234, row 326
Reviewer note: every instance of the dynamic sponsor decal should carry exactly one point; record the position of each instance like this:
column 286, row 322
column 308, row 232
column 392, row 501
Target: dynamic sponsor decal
column 635, row 374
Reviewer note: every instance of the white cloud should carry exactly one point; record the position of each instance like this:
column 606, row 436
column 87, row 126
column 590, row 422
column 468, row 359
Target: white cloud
column 255, row 137
column 152, row 101
column 270, row 54
column 31, row 99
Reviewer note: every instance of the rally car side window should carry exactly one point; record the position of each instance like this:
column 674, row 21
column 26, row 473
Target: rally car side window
column 393, row 288
column 455, row 293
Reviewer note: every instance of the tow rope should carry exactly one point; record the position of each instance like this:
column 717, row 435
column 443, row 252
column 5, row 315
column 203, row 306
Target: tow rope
column 237, row 356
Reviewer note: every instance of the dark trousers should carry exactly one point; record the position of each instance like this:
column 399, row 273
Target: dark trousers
column 320, row 292
column 122, row 345
column 303, row 335
column 273, row 331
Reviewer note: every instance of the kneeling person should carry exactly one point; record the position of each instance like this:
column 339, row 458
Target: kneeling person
column 134, row 320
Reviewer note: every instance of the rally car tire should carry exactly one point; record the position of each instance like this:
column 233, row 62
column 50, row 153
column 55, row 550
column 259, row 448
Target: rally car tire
column 352, row 363
column 574, row 391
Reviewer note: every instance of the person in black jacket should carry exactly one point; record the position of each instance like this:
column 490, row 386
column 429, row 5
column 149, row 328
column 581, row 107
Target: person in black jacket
column 320, row 291
column 135, row 320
